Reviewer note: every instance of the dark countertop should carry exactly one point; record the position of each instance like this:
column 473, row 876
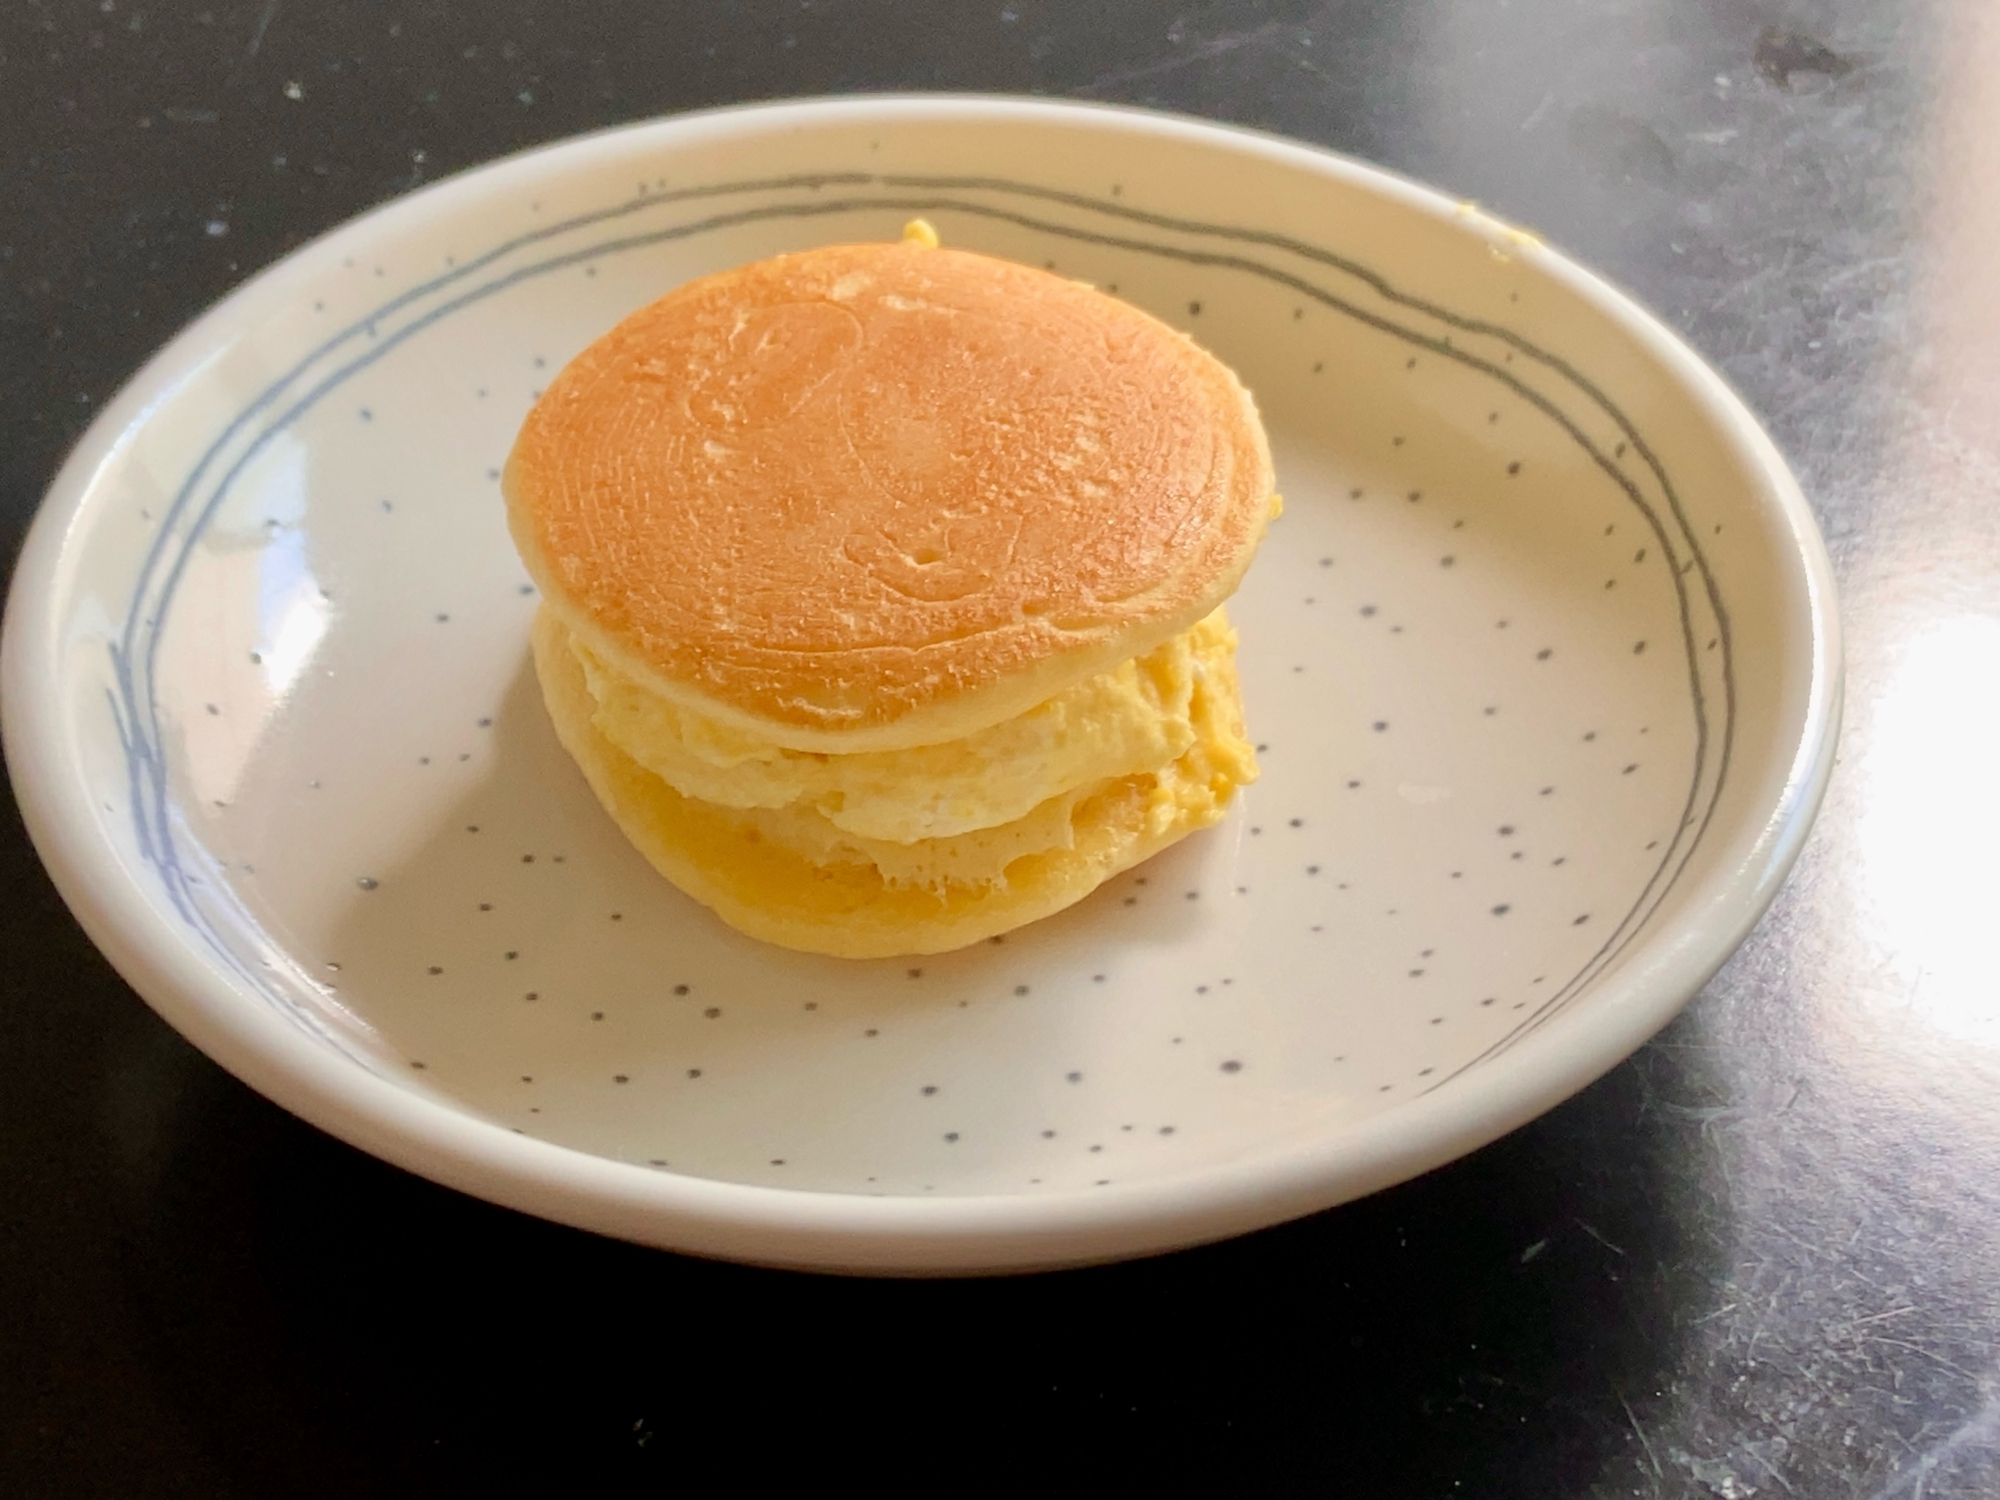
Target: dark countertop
column 1760, row 1258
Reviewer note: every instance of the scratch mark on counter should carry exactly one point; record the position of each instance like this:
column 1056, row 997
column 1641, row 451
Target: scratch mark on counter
column 1652, row 1458
column 1614, row 1249
column 1940, row 1360
column 1770, row 1468
column 1218, row 47
column 1894, row 1312
column 263, row 25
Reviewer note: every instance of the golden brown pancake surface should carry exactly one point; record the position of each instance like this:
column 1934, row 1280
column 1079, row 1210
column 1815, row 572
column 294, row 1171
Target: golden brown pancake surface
column 869, row 496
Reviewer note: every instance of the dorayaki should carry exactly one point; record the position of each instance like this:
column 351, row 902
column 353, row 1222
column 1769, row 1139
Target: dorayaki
column 881, row 588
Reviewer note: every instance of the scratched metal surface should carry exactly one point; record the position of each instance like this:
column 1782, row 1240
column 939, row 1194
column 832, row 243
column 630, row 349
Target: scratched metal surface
column 1762, row 1258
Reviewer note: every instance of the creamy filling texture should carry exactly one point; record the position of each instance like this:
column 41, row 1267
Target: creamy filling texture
column 1135, row 717
column 962, row 811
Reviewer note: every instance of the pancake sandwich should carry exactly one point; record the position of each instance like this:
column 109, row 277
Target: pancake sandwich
column 882, row 589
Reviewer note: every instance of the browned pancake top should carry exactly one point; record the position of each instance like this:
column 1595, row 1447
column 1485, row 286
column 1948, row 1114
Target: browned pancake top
column 854, row 486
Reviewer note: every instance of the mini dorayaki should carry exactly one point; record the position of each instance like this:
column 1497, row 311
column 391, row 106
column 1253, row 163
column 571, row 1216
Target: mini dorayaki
column 881, row 589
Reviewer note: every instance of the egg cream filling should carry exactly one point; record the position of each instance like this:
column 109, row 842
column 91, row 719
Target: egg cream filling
column 1135, row 717
column 1165, row 727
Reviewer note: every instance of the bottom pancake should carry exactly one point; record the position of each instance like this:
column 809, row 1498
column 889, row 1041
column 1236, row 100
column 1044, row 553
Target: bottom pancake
column 848, row 909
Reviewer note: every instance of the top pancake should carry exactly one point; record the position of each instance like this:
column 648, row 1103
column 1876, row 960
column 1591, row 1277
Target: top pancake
column 870, row 496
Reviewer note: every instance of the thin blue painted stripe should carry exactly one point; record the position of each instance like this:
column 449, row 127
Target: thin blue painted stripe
column 145, row 746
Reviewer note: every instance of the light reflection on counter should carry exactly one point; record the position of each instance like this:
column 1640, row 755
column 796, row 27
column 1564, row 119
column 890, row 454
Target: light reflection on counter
column 1930, row 824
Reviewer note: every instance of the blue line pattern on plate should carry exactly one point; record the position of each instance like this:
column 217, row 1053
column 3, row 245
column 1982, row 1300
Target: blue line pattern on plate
column 366, row 340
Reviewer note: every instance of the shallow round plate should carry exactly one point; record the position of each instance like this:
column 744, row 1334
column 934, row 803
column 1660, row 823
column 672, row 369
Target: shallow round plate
column 1541, row 659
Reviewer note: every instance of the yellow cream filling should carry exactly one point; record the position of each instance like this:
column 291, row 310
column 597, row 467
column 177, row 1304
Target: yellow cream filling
column 1166, row 727
column 1135, row 717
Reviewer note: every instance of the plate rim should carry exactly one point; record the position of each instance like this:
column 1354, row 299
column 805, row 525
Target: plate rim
column 801, row 1228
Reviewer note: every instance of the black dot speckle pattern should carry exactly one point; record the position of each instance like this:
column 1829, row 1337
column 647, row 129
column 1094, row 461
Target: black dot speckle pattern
column 1339, row 842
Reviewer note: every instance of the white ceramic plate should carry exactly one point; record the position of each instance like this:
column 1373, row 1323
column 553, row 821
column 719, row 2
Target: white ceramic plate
column 1542, row 657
